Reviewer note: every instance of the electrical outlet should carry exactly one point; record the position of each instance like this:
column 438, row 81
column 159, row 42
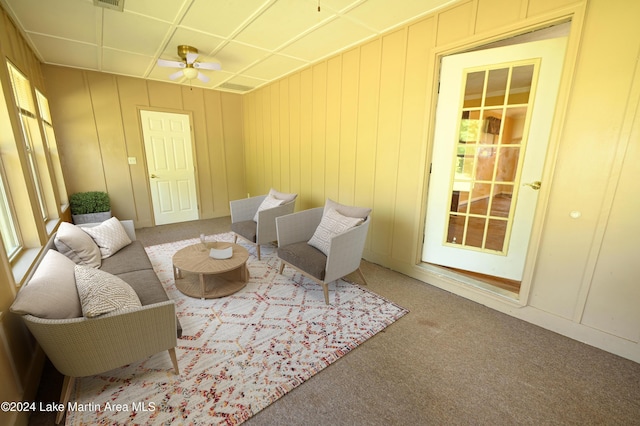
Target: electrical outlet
column 132, row 160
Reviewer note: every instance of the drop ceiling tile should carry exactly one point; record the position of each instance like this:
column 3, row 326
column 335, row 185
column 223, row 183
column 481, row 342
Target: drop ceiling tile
column 327, row 40
column 166, row 10
column 45, row 17
column 133, row 33
column 125, row 63
column 67, row 53
column 221, row 17
column 274, row 67
column 205, row 43
column 236, row 56
column 381, row 15
column 283, row 21
column 339, row 5
column 246, row 82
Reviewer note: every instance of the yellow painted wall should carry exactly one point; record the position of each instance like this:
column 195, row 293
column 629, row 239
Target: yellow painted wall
column 358, row 127
column 20, row 362
column 96, row 116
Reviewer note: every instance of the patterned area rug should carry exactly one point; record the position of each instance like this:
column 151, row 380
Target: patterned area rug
column 238, row 354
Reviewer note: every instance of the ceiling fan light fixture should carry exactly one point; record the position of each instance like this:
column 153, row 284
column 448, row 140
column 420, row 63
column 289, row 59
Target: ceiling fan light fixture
column 190, row 72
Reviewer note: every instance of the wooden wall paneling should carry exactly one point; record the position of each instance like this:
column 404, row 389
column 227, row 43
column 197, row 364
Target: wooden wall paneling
column 108, row 122
column 11, row 389
column 165, row 95
column 22, row 346
column 258, row 185
column 232, row 119
column 283, row 124
column 538, row 7
column 267, row 142
column 563, row 237
column 295, row 137
column 193, row 101
column 276, row 148
column 133, row 98
column 306, row 136
column 318, row 133
column 496, row 13
column 455, row 23
column 412, row 155
column 77, row 139
column 11, row 48
column 348, row 125
column 250, row 156
column 367, row 139
column 334, row 117
column 215, row 141
column 615, row 279
column 389, row 125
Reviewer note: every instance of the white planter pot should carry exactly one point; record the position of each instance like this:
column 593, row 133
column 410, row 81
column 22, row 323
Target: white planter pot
column 91, row 217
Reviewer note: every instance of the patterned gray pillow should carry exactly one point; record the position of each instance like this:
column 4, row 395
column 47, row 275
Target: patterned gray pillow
column 331, row 224
column 101, row 293
column 110, row 236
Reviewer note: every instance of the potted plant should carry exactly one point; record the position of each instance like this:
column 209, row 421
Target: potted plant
column 90, row 207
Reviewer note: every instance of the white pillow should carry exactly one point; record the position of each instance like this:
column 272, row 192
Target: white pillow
column 268, row 203
column 77, row 245
column 110, row 236
column 51, row 292
column 101, row 293
column 331, row 224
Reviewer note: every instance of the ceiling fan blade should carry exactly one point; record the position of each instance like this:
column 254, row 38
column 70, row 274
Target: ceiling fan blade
column 172, row 64
column 203, row 78
column 207, row 66
column 176, row 75
column 191, row 56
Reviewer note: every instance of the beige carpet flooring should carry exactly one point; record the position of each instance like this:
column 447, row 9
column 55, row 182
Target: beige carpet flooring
column 449, row 361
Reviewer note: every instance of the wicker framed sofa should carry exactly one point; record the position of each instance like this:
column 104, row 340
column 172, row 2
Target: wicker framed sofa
column 82, row 316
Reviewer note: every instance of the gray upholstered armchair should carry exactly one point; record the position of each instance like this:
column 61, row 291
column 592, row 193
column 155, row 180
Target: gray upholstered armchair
column 321, row 245
column 254, row 219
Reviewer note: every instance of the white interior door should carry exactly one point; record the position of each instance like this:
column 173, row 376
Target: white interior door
column 493, row 121
column 167, row 141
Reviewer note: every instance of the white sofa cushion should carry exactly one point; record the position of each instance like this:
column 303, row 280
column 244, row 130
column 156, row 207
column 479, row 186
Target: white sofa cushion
column 51, row 292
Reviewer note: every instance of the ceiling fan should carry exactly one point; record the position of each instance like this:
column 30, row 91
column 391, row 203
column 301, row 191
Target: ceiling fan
column 189, row 66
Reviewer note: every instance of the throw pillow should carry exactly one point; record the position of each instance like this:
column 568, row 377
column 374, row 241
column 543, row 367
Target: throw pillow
column 110, row 236
column 268, row 203
column 101, row 293
column 331, row 224
column 77, row 245
column 350, row 211
column 51, row 291
column 282, row 195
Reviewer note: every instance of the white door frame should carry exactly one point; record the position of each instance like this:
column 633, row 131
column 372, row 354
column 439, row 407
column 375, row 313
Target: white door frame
column 144, row 153
column 460, row 284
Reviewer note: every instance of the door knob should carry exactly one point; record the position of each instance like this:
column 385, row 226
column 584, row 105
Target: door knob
column 534, row 185
column 153, row 176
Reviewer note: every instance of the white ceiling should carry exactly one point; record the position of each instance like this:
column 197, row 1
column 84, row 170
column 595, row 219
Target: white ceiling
column 255, row 41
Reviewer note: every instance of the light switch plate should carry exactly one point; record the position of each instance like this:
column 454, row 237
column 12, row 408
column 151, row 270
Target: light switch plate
column 132, row 160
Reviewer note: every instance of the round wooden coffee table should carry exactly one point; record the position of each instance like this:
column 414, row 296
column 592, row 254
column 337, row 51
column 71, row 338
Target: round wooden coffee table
column 214, row 277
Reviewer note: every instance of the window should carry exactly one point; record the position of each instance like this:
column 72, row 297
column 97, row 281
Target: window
column 8, row 228
column 52, row 146
column 32, row 139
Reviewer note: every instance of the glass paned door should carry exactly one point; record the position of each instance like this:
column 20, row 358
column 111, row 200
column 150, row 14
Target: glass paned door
column 488, row 156
column 493, row 122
